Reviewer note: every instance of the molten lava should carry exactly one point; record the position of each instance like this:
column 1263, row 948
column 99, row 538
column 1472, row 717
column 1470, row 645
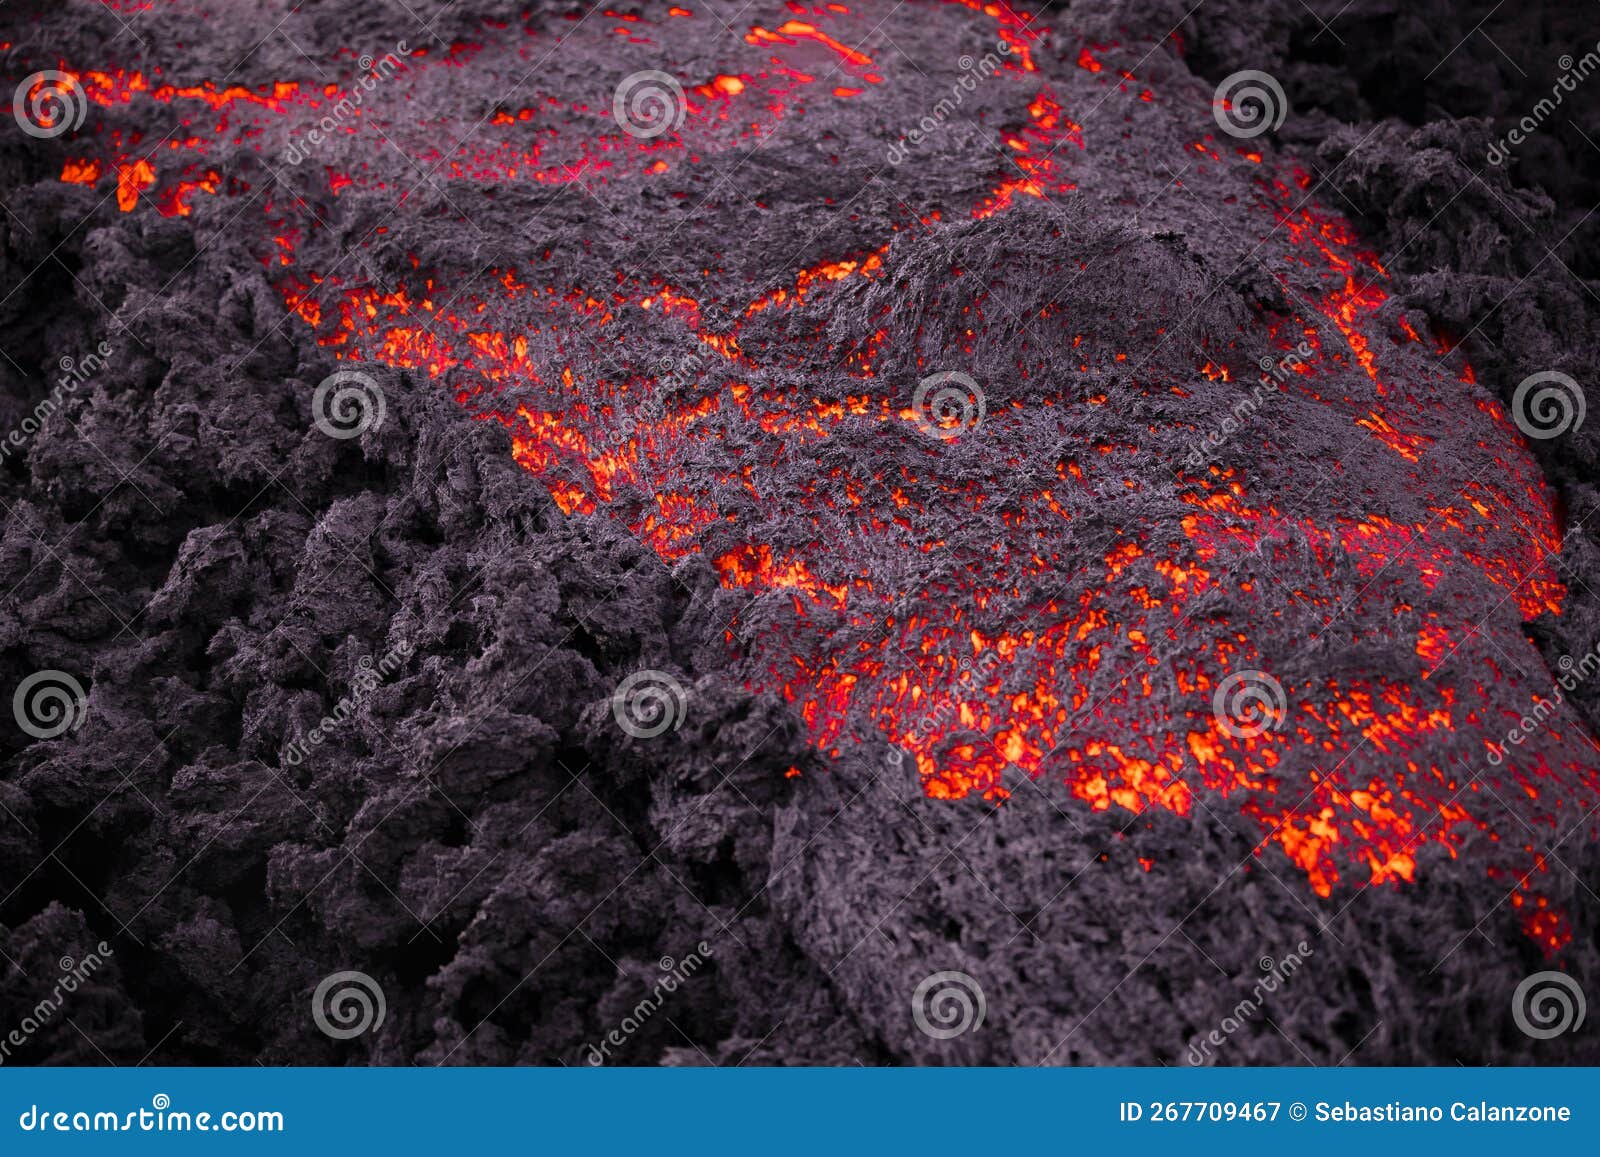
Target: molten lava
column 1062, row 587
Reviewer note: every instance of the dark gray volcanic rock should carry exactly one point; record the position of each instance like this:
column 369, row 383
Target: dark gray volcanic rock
column 514, row 871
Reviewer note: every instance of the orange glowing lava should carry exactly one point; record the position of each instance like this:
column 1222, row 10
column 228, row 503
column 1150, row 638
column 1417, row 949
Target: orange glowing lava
column 1038, row 593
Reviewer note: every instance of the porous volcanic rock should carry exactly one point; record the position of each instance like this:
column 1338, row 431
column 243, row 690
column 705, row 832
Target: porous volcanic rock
column 938, row 691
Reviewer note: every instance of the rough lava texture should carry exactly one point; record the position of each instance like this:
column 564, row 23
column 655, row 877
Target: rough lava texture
column 948, row 692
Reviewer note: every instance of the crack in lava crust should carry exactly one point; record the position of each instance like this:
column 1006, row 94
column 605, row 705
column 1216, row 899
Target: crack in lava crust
column 715, row 336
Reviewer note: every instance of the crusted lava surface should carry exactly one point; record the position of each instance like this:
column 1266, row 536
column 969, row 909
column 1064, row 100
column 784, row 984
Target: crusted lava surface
column 1072, row 544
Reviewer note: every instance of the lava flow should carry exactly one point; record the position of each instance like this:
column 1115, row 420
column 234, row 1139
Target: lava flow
column 1018, row 467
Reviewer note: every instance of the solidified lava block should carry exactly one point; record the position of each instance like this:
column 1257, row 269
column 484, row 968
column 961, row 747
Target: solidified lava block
column 845, row 494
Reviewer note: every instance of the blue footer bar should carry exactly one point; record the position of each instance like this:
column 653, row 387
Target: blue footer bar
column 816, row 1112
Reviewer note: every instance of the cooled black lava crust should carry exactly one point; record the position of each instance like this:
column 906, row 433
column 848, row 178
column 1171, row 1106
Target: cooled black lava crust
column 481, row 839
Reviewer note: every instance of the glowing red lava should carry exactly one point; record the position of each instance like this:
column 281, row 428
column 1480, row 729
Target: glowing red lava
column 1062, row 589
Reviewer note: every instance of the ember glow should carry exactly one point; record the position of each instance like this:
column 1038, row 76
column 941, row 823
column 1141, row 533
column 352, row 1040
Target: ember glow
column 1061, row 588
